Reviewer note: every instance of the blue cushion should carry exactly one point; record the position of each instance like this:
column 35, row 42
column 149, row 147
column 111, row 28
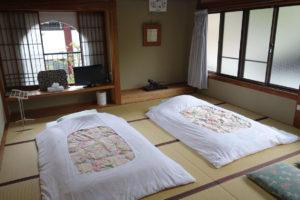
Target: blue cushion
column 280, row 179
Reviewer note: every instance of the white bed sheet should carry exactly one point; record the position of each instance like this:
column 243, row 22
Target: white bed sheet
column 218, row 148
column 149, row 172
column 52, row 123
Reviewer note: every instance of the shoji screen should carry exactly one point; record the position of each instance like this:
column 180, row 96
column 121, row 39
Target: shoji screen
column 21, row 49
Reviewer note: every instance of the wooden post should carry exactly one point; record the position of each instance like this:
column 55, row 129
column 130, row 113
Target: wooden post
column 114, row 52
column 69, row 47
column 297, row 112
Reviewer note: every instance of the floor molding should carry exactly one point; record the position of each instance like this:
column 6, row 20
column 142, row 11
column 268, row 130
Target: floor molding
column 19, row 180
column 221, row 103
column 262, row 118
column 230, row 177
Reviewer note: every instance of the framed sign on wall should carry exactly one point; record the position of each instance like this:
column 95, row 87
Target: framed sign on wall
column 152, row 35
column 158, row 5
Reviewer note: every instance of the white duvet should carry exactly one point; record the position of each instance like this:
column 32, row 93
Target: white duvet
column 149, row 172
column 218, row 148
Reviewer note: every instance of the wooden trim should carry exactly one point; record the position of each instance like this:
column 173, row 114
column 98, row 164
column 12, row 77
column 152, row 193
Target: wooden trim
column 230, row 5
column 71, row 90
column 105, row 43
column 80, row 36
column 114, row 52
column 57, row 5
column 271, row 45
column 297, row 112
column 2, row 145
column 274, row 91
column 5, row 106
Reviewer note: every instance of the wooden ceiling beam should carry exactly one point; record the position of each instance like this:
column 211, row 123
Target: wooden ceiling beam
column 227, row 5
column 56, row 5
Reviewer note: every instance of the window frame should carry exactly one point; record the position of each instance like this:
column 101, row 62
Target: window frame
column 103, row 32
column 243, row 43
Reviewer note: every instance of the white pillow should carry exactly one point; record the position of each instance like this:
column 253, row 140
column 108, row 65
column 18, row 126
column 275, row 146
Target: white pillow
column 77, row 114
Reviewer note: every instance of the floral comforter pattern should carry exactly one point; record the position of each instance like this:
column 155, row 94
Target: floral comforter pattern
column 215, row 119
column 97, row 149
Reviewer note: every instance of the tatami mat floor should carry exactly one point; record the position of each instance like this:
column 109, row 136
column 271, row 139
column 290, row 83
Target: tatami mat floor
column 19, row 175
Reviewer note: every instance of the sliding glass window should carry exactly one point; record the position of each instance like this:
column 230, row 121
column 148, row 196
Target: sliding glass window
column 231, row 43
column 213, row 41
column 257, row 48
column 286, row 59
column 257, row 45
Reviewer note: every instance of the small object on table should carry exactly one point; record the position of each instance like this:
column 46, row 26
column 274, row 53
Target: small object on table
column 21, row 95
column 153, row 85
column 55, row 88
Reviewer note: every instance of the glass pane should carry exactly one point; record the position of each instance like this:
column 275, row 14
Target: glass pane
column 286, row 58
column 212, row 41
column 231, row 42
column 259, row 31
column 255, row 71
column 232, row 34
column 258, row 39
column 230, row 66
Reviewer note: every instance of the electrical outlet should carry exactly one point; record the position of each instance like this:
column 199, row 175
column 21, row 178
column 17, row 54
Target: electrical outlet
column 298, row 107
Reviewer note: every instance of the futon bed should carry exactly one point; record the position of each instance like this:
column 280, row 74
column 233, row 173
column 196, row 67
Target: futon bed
column 217, row 134
column 100, row 156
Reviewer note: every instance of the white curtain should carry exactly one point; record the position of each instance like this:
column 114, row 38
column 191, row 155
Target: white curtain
column 197, row 74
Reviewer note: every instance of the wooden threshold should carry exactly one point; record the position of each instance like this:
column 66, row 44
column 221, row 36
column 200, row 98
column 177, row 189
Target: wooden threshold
column 139, row 95
column 58, row 110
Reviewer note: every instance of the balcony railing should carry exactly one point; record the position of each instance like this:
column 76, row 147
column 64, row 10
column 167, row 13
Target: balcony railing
column 65, row 61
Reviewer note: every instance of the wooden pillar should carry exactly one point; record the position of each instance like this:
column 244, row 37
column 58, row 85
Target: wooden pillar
column 297, row 112
column 114, row 52
column 69, row 47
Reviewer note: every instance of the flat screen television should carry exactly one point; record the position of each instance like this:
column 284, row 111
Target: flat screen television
column 89, row 76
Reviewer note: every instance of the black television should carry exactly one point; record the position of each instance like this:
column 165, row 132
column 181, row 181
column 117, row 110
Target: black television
column 89, row 76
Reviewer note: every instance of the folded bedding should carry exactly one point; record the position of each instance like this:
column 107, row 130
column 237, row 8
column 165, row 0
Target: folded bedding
column 100, row 156
column 217, row 134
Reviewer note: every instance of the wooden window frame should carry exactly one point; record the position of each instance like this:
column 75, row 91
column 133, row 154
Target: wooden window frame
column 265, row 86
column 109, row 7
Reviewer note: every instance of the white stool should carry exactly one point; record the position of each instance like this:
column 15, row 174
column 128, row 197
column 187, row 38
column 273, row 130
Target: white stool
column 21, row 95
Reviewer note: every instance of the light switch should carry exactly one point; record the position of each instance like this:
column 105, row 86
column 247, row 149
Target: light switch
column 298, row 107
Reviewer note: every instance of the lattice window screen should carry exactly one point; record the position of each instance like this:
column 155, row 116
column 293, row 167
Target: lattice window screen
column 92, row 37
column 21, row 48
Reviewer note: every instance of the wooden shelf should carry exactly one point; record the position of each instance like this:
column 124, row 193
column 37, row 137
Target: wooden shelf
column 138, row 95
column 71, row 90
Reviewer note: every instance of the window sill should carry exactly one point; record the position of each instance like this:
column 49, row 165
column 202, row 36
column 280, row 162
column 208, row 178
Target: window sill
column 266, row 89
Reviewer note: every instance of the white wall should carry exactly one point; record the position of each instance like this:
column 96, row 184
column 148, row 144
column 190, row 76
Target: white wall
column 273, row 106
column 2, row 119
column 167, row 62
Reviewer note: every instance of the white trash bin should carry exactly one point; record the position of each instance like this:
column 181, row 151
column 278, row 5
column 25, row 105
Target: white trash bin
column 101, row 98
